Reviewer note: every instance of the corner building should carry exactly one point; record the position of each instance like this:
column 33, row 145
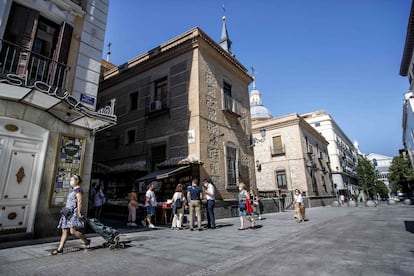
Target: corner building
column 49, row 74
column 183, row 111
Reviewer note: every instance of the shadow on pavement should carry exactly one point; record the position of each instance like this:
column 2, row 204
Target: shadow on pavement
column 409, row 226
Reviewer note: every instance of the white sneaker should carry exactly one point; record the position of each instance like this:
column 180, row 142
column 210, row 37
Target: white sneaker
column 260, row 217
column 151, row 225
column 128, row 224
column 143, row 223
column 133, row 224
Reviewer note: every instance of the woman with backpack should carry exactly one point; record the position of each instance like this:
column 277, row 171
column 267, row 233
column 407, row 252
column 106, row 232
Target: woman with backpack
column 179, row 202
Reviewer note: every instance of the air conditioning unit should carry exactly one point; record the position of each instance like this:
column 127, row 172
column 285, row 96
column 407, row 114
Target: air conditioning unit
column 155, row 105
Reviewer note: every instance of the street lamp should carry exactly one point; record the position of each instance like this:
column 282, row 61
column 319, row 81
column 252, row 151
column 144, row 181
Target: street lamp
column 255, row 141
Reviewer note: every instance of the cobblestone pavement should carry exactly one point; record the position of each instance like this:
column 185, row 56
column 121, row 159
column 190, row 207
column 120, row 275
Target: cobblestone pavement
column 335, row 241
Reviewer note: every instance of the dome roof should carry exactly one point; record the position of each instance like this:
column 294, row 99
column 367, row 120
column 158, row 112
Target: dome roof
column 257, row 109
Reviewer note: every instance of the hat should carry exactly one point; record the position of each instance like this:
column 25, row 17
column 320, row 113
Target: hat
column 206, row 180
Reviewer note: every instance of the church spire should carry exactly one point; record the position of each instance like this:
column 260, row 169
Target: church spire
column 108, row 54
column 225, row 41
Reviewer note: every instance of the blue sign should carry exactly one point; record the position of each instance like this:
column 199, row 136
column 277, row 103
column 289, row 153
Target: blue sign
column 87, row 99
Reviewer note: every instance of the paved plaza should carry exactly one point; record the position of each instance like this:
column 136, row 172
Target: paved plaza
column 335, row 241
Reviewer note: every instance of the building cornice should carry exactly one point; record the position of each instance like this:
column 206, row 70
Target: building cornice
column 190, row 38
column 409, row 45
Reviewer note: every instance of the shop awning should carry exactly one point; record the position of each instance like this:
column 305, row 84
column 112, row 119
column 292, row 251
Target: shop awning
column 161, row 174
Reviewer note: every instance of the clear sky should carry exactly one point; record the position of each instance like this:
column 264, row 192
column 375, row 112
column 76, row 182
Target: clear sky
column 342, row 56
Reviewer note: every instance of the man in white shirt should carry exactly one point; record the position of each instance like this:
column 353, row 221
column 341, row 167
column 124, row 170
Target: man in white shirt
column 150, row 202
column 209, row 194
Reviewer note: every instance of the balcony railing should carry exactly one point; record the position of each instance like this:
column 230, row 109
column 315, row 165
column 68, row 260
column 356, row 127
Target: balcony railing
column 231, row 105
column 31, row 67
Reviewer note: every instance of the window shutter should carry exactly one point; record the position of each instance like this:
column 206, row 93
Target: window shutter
column 277, row 144
column 60, row 55
column 22, row 29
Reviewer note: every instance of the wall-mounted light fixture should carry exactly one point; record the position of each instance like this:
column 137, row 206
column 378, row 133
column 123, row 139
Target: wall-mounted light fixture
column 256, row 140
column 213, row 137
column 258, row 165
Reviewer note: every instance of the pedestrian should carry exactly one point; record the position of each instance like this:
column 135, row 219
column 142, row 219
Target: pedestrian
column 132, row 207
column 72, row 220
column 211, row 202
column 195, row 194
column 297, row 202
column 99, row 201
column 342, row 200
column 179, row 202
column 150, row 203
column 257, row 203
column 245, row 208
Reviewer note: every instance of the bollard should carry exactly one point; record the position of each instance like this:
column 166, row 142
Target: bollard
column 392, row 202
column 352, row 204
column 407, row 201
column 370, row 203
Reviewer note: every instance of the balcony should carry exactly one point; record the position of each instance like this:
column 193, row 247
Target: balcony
column 156, row 107
column 26, row 66
column 232, row 106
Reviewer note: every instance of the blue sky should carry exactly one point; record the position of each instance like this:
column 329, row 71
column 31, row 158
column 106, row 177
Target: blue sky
column 342, row 56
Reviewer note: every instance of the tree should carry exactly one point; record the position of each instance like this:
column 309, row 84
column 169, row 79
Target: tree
column 367, row 176
column 381, row 188
column 401, row 175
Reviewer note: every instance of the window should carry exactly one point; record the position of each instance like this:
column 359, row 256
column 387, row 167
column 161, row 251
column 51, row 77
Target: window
column 281, row 180
column 231, row 166
column 131, row 136
column 159, row 99
column 158, row 155
column 41, row 45
column 160, row 93
column 277, row 145
column 317, row 124
column 227, row 89
column 133, row 99
column 324, row 184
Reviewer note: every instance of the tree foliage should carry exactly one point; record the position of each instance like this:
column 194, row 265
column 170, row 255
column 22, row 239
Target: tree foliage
column 401, row 174
column 367, row 176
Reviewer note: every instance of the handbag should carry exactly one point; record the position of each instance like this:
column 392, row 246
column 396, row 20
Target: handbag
column 66, row 212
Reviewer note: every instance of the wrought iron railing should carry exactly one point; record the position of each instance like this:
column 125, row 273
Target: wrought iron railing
column 32, row 67
column 230, row 104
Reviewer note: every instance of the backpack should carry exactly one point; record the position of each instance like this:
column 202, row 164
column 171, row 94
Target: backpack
column 178, row 203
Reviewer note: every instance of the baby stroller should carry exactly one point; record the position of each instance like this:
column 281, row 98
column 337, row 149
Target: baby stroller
column 110, row 234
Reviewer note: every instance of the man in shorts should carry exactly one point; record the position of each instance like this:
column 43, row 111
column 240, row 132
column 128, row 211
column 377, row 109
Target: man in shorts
column 150, row 202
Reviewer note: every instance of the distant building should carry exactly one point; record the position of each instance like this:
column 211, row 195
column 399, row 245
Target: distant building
column 343, row 154
column 382, row 163
column 49, row 72
column 290, row 154
column 407, row 70
column 183, row 110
